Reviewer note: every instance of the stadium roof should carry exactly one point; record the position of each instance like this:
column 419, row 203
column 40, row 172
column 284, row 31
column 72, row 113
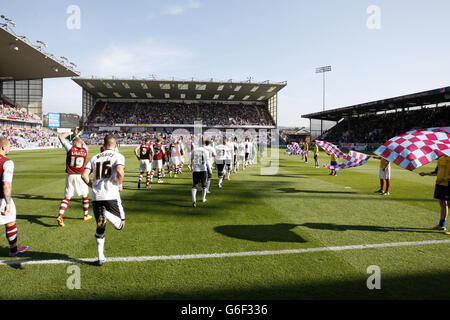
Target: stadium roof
column 20, row 60
column 178, row 89
column 412, row 100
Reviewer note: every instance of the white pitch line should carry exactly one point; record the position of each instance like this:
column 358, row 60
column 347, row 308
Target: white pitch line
column 227, row 255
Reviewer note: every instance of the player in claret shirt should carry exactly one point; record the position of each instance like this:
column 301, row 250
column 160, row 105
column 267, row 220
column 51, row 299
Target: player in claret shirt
column 7, row 207
column 75, row 159
column 176, row 152
column 144, row 154
column 158, row 151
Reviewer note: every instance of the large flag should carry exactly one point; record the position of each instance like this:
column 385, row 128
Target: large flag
column 352, row 160
column 416, row 148
column 331, row 148
column 293, row 149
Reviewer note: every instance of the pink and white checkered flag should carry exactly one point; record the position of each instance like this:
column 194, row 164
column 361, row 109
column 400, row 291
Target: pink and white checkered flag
column 416, row 148
column 352, row 160
column 331, row 148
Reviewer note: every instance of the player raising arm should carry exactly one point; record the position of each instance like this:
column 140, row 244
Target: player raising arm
column 75, row 159
column 7, row 207
column 108, row 169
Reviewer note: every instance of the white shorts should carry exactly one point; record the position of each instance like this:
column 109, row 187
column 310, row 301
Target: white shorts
column 157, row 164
column 75, row 186
column 145, row 165
column 11, row 217
column 385, row 174
column 176, row 161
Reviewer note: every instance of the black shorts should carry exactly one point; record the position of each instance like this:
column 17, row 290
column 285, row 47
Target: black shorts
column 316, row 156
column 199, row 177
column 442, row 192
column 220, row 167
column 112, row 206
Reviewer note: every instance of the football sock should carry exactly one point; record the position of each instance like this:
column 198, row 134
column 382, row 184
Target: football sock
column 220, row 179
column 388, row 185
column 442, row 223
column 11, row 235
column 208, row 183
column 148, row 178
column 194, row 194
column 63, row 206
column 204, row 193
column 86, row 205
column 159, row 174
column 381, row 184
column 100, row 243
column 140, row 177
column 115, row 220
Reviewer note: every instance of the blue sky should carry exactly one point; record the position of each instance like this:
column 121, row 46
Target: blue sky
column 281, row 40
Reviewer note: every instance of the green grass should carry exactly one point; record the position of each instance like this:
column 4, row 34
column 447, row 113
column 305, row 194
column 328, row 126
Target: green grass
column 299, row 207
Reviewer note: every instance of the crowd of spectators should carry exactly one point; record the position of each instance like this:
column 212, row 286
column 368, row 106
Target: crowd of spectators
column 380, row 128
column 9, row 112
column 24, row 138
column 177, row 113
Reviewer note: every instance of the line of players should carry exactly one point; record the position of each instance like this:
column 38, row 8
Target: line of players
column 156, row 157
column 108, row 173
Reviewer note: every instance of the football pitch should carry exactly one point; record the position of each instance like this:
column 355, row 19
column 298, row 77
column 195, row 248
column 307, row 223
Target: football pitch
column 299, row 234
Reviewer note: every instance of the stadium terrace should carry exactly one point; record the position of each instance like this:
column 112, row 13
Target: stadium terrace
column 139, row 105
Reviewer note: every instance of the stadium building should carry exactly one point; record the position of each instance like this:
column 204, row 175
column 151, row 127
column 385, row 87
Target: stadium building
column 133, row 105
column 23, row 66
column 370, row 124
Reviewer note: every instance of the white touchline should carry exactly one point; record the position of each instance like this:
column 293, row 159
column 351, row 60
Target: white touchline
column 227, row 255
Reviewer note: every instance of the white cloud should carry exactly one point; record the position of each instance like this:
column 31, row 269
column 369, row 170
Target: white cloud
column 174, row 10
column 194, row 4
column 140, row 59
column 179, row 9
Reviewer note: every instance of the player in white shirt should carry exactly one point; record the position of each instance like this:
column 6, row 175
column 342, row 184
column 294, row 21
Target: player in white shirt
column 229, row 159
column 248, row 151
column 241, row 155
column 108, row 169
column 221, row 160
column 7, row 206
column 200, row 165
column 212, row 156
column 236, row 153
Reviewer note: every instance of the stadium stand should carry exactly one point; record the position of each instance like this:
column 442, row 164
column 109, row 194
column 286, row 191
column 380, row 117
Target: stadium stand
column 375, row 122
column 133, row 104
column 178, row 113
column 380, row 128
column 14, row 113
column 26, row 138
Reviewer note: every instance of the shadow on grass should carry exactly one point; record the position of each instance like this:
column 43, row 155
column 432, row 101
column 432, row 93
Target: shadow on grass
column 17, row 263
column 280, row 232
column 419, row 286
column 36, row 219
column 293, row 190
